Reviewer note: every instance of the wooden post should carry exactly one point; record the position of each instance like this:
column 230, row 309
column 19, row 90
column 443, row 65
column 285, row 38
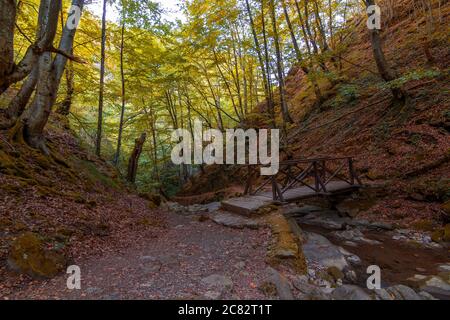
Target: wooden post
column 134, row 158
column 316, row 176
column 323, row 174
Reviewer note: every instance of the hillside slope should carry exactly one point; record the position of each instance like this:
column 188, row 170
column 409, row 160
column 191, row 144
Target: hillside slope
column 73, row 202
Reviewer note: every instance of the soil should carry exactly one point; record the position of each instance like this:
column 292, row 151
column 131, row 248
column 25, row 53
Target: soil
column 168, row 266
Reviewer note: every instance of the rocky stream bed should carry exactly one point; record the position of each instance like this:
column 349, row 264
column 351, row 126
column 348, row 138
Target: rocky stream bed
column 339, row 249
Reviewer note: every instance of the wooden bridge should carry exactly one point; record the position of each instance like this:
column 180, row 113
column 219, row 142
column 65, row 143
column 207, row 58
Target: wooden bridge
column 296, row 180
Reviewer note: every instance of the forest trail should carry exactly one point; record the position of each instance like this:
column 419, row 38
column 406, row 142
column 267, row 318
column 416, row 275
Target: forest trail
column 188, row 260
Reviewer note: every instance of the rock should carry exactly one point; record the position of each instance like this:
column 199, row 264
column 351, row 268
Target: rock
column 381, row 226
column 285, row 249
column 426, row 296
column 335, row 273
column 417, row 279
column 345, row 252
column 29, row 255
column 321, row 251
column 197, row 208
column 240, row 265
column 402, row 292
column 370, row 241
column 212, row 295
column 355, row 235
column 436, row 287
column 351, row 258
column 383, row 294
column 352, row 234
column 281, row 283
column 234, row 221
column 350, row 292
column 325, row 219
column 217, row 281
column 371, row 225
column 176, row 207
column 213, row 206
column 354, row 260
column 444, row 267
column 93, row 290
column 350, row 243
column 351, row 276
column 309, row 291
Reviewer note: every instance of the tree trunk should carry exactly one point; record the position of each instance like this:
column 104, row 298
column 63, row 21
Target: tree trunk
column 18, row 103
column 383, row 67
column 291, row 31
column 64, row 108
column 98, row 143
column 260, row 57
column 302, row 25
column 36, row 118
column 122, row 111
column 283, row 103
column 47, row 24
column 49, row 77
column 7, row 22
column 270, row 102
column 134, row 158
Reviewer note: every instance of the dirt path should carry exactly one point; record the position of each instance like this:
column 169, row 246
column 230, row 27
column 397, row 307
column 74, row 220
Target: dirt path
column 189, row 260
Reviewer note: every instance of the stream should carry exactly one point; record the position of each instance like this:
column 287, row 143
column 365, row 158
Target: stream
column 405, row 257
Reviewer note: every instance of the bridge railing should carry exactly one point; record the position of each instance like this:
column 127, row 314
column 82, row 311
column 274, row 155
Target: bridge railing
column 315, row 174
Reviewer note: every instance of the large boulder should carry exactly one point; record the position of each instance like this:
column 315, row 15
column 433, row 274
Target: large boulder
column 29, row 255
column 281, row 284
column 320, row 250
column 234, row 221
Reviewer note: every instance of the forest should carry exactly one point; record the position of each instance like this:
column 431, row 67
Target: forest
column 91, row 92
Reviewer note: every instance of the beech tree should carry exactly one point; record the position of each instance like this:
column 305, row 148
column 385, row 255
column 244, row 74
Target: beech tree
column 46, row 76
column 386, row 72
column 98, row 142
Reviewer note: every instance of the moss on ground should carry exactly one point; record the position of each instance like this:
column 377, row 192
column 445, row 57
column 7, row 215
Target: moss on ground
column 287, row 247
column 29, row 255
